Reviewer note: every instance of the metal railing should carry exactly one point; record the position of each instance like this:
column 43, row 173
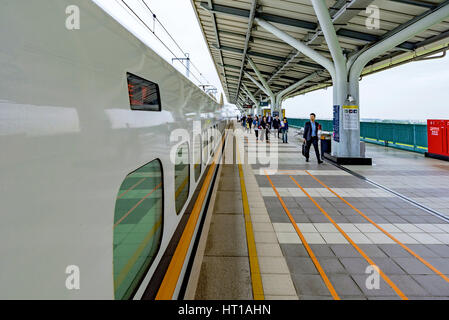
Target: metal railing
column 411, row 137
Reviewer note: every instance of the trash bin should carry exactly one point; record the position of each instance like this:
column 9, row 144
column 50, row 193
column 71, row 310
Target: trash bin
column 326, row 143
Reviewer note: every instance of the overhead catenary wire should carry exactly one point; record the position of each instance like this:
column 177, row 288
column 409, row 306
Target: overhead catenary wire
column 175, row 42
column 140, row 20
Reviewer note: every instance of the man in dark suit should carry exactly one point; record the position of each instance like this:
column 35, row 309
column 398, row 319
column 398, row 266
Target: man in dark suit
column 276, row 125
column 269, row 118
column 311, row 137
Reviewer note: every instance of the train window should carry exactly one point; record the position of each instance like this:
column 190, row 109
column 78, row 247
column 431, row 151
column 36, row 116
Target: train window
column 197, row 156
column 138, row 219
column 211, row 141
column 182, row 176
column 205, row 146
column 143, row 94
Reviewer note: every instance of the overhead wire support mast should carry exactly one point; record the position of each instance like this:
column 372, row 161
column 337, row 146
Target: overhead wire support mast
column 187, row 61
column 160, row 40
column 186, row 55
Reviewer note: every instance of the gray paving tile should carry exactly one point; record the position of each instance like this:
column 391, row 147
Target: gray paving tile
column 378, row 219
column 388, row 266
column 271, row 203
column 432, row 219
column 305, row 297
column 372, row 250
column 345, row 286
column 384, row 289
column 301, row 218
column 423, row 250
column 442, row 264
column 427, row 298
column 332, row 266
column 414, row 219
column 309, row 285
column 296, row 210
column 408, row 285
column 347, row 212
column 356, row 219
column 412, row 266
column 278, row 218
column 294, row 250
column 339, row 219
column 385, row 298
column 318, row 218
column 395, row 219
column 394, row 250
column 440, row 250
column 354, row 265
column 301, row 265
column 433, row 284
column 342, row 297
column 344, row 251
column 322, row 250
column 276, row 211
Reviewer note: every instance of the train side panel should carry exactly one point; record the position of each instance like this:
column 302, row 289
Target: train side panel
column 68, row 140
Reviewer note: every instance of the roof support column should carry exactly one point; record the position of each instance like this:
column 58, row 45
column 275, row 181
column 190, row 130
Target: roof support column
column 349, row 134
column 281, row 95
column 268, row 90
column 250, row 95
column 439, row 14
column 357, row 64
column 298, row 45
column 259, row 86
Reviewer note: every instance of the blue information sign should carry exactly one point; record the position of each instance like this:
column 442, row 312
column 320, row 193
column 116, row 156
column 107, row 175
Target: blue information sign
column 336, row 123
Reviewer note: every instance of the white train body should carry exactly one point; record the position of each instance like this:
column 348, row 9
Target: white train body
column 68, row 139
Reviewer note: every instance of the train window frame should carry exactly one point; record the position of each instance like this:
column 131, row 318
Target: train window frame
column 149, row 84
column 196, row 163
column 134, row 284
column 180, row 206
column 205, row 150
column 211, row 141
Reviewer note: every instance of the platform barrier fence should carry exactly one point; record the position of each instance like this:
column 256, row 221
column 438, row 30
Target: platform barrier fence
column 406, row 136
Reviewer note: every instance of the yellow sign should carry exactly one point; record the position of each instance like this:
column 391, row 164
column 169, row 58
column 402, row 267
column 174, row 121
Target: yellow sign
column 266, row 111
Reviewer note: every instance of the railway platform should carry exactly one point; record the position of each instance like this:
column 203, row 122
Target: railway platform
column 301, row 230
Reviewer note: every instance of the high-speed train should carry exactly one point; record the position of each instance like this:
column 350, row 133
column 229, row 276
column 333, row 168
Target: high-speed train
column 106, row 159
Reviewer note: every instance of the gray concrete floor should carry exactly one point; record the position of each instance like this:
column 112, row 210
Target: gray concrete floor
column 383, row 229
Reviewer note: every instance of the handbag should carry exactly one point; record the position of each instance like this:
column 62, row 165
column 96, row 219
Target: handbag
column 304, row 148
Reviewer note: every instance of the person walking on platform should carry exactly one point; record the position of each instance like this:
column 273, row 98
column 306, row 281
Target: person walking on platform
column 256, row 124
column 269, row 119
column 311, row 137
column 284, row 130
column 250, row 122
column 276, row 126
column 265, row 129
column 244, row 121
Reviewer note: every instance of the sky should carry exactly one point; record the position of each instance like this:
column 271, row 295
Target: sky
column 414, row 91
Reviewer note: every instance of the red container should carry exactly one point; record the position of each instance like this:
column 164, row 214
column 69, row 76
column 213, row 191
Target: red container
column 447, row 137
column 438, row 137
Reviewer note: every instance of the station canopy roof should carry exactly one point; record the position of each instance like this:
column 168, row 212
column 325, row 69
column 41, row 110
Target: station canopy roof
column 232, row 35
